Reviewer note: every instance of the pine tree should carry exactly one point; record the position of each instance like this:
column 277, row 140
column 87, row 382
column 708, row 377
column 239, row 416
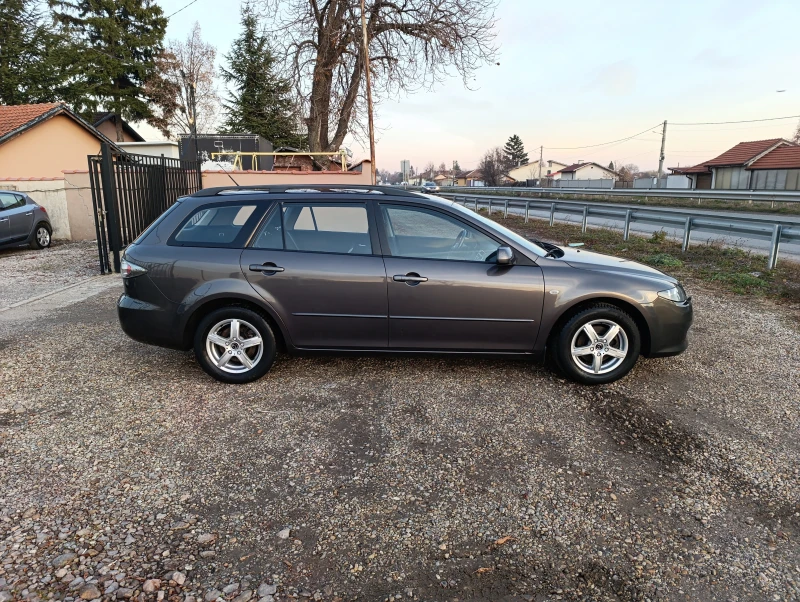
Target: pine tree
column 514, row 151
column 116, row 46
column 611, row 166
column 260, row 101
column 33, row 68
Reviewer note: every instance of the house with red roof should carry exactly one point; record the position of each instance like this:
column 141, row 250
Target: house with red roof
column 44, row 140
column 772, row 164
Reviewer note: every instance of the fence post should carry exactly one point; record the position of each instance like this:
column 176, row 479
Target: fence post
column 489, row 212
column 527, row 210
column 585, row 218
column 110, row 202
column 476, row 204
column 774, row 246
column 552, row 213
column 505, row 209
column 627, row 231
column 687, row 230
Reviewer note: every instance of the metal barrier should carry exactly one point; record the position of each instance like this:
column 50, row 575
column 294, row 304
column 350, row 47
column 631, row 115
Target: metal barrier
column 781, row 196
column 754, row 228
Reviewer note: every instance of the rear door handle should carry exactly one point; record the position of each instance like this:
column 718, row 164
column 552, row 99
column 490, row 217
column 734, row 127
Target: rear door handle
column 29, row 213
column 411, row 277
column 5, row 219
column 265, row 268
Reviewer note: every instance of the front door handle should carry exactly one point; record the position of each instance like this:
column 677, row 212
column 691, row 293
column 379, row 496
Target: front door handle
column 29, row 213
column 265, row 268
column 5, row 219
column 410, row 278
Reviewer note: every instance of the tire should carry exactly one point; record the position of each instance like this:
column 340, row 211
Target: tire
column 617, row 354
column 224, row 355
column 42, row 236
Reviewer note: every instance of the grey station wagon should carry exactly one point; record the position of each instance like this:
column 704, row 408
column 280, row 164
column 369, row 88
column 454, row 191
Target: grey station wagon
column 238, row 273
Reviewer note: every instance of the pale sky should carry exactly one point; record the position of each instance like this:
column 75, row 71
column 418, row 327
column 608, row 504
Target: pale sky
column 587, row 72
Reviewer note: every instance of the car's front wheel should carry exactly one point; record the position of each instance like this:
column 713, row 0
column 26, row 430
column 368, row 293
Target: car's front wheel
column 234, row 345
column 597, row 345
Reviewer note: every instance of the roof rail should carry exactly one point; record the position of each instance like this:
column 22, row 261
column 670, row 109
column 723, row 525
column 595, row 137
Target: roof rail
column 311, row 188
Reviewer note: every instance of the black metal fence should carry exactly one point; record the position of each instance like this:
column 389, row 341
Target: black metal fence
column 129, row 192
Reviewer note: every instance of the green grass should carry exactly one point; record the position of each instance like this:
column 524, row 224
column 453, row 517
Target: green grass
column 721, row 268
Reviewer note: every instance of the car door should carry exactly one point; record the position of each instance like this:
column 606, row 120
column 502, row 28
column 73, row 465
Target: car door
column 9, row 207
column 19, row 215
column 319, row 265
column 445, row 290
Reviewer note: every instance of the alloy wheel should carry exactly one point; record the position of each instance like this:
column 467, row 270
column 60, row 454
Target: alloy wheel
column 43, row 236
column 234, row 346
column 599, row 346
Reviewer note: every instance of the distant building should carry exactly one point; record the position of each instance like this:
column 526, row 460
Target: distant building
column 530, row 171
column 772, row 164
column 587, row 171
column 405, row 169
column 207, row 144
column 106, row 124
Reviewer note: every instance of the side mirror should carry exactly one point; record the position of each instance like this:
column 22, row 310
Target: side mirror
column 505, row 256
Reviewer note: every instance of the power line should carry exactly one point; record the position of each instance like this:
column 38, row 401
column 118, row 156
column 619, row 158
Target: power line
column 180, row 9
column 602, row 143
column 744, row 121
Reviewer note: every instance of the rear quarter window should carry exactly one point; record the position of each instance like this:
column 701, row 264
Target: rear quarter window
column 218, row 225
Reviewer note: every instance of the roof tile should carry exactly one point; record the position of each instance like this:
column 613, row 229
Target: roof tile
column 12, row 117
column 743, row 152
column 783, row 157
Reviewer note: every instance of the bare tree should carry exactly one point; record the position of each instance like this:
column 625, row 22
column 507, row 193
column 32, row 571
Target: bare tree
column 412, row 43
column 628, row 172
column 429, row 169
column 493, row 166
column 796, row 137
column 191, row 63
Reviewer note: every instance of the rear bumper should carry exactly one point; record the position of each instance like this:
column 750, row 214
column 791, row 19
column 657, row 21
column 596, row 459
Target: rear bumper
column 148, row 323
column 669, row 327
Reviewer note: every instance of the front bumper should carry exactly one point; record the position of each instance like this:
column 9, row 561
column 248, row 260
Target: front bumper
column 669, row 326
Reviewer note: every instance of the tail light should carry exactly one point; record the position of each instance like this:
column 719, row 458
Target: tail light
column 42, row 208
column 130, row 270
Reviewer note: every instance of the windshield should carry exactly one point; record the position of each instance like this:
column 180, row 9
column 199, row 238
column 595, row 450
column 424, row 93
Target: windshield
column 521, row 241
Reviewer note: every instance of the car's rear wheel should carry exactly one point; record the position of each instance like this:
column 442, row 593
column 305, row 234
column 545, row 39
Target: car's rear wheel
column 234, row 345
column 42, row 237
column 597, row 345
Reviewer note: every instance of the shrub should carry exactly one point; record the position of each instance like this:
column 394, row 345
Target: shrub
column 664, row 259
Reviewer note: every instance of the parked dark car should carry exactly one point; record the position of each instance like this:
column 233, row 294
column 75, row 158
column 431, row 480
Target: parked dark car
column 237, row 273
column 23, row 221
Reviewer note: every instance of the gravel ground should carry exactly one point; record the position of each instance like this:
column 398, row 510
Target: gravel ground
column 27, row 273
column 126, row 473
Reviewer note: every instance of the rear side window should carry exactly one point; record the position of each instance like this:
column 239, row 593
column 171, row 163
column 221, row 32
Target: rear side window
column 318, row 228
column 10, row 201
column 217, row 226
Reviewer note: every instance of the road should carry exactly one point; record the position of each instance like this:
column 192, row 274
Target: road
column 761, row 246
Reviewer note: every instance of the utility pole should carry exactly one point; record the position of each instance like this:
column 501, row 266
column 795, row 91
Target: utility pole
column 369, row 92
column 661, row 156
column 541, row 155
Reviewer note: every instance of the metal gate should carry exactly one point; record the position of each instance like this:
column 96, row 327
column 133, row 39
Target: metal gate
column 129, row 192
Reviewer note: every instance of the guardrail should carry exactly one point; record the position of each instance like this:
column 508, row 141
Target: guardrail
column 757, row 228
column 782, row 196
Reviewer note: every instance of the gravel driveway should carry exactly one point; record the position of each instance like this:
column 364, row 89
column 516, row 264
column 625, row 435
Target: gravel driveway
column 126, row 473
column 26, row 273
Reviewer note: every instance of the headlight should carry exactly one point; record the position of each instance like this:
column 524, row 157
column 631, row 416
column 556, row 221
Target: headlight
column 676, row 294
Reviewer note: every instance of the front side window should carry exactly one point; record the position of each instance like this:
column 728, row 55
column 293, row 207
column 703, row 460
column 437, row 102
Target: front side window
column 325, row 228
column 215, row 226
column 425, row 234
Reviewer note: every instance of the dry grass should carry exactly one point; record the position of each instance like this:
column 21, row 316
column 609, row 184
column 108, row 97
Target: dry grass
column 722, row 268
